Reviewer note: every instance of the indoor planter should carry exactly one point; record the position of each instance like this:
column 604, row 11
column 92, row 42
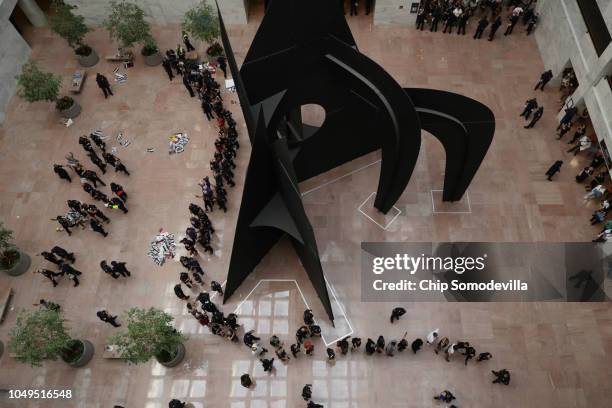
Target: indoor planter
column 150, row 334
column 36, row 85
column 12, row 261
column 151, row 54
column 68, row 107
column 72, row 28
column 40, row 335
column 127, row 25
column 86, row 56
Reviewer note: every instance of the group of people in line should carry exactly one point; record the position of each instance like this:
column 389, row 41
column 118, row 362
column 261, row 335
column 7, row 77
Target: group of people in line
column 451, row 13
column 595, row 174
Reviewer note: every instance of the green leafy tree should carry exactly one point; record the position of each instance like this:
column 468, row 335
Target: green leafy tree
column 8, row 252
column 36, row 85
column 38, row 335
column 127, row 25
column 69, row 26
column 149, row 334
column 202, row 22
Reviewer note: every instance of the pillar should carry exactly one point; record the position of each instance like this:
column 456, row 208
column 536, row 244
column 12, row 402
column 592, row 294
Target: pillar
column 33, row 12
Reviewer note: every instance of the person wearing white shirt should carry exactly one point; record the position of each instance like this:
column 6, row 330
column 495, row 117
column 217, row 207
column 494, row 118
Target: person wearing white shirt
column 432, row 337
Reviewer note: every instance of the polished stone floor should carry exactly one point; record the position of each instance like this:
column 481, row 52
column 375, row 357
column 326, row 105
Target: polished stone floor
column 559, row 354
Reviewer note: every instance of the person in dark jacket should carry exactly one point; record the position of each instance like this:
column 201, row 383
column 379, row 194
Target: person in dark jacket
column 482, row 24
column 554, row 169
column 103, row 84
column 530, row 105
column 61, row 172
column 544, row 79
column 536, row 117
column 494, row 27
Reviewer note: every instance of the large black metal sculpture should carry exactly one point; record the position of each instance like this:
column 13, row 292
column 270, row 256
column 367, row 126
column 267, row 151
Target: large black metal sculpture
column 304, row 53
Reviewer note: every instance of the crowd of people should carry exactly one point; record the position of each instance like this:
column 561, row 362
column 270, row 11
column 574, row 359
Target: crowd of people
column 594, row 176
column 458, row 13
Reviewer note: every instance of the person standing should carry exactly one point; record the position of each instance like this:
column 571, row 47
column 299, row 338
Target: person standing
column 532, row 23
column 51, row 258
column 368, row 6
column 397, row 313
column 72, row 273
column 188, row 86
column 61, row 172
column 187, row 42
column 545, row 78
column 462, row 23
column 502, row 376
column 513, row 20
column 103, row 83
column 536, row 117
column 222, row 61
column 494, row 27
column 482, row 24
column 354, row 7
column 436, row 15
column 416, row 345
column 97, row 227
column 107, row 318
column 420, row 19
column 168, row 68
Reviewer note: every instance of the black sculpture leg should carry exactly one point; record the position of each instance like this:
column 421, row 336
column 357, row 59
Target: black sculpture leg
column 464, row 126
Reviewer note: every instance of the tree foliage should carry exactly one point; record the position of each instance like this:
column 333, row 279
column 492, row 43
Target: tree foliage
column 38, row 335
column 36, row 85
column 202, row 22
column 149, row 334
column 69, row 26
column 126, row 24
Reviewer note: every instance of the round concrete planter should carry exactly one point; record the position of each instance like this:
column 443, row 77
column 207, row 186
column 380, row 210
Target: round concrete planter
column 86, row 356
column 21, row 267
column 72, row 112
column 88, row 60
column 180, row 355
column 153, row 59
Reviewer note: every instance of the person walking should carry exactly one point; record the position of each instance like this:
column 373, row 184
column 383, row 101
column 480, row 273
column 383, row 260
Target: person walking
column 61, row 172
column 119, row 191
column 530, row 105
column 103, row 84
column 545, row 78
column 416, row 345
column 72, row 273
column 107, row 318
column 168, row 68
column 536, row 117
column 49, row 257
column 554, row 169
column 484, row 356
column 494, row 27
column 93, row 177
column 533, row 21
column 501, row 377
column 116, row 203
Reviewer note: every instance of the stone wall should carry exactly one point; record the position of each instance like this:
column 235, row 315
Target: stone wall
column 14, row 51
column 563, row 39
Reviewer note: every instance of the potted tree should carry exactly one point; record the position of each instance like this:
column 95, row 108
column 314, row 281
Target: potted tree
column 12, row 260
column 150, row 334
column 40, row 335
column 36, row 85
column 72, row 28
column 202, row 22
column 127, row 25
